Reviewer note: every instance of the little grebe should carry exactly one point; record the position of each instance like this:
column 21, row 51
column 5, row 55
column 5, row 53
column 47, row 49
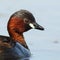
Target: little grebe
column 15, row 45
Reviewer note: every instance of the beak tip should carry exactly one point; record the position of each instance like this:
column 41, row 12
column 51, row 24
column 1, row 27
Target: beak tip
column 42, row 29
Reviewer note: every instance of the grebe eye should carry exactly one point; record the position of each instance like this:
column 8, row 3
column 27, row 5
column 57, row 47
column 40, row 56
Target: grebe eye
column 26, row 20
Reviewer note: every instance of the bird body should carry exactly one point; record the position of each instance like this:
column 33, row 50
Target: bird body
column 14, row 46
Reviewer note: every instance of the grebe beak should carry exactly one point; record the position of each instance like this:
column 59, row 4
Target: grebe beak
column 36, row 26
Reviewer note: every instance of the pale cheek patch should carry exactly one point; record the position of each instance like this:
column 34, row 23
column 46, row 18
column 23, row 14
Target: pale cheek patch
column 32, row 26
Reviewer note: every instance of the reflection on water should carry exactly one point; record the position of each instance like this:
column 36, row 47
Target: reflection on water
column 24, row 59
column 14, row 58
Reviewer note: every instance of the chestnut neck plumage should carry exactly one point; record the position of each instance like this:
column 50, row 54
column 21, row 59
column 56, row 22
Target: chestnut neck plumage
column 16, row 30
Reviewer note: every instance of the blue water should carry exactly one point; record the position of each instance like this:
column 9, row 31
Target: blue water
column 44, row 45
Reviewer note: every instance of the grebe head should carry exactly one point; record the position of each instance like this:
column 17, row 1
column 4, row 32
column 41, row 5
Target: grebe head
column 21, row 21
column 24, row 21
